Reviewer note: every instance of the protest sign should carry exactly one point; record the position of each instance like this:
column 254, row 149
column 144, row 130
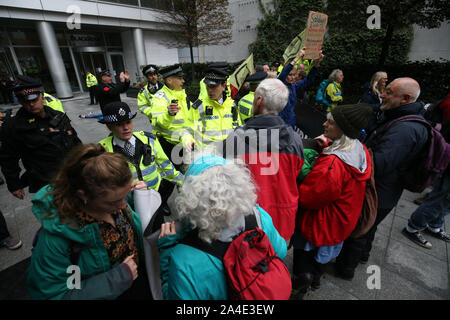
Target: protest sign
column 240, row 74
column 315, row 31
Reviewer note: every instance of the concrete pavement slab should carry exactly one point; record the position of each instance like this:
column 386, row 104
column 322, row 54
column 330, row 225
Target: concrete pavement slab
column 422, row 269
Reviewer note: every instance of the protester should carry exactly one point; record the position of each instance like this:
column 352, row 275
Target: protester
column 107, row 91
column 333, row 92
column 211, row 202
column 374, row 89
column 85, row 208
column 274, row 158
column 429, row 216
column 296, row 89
column 394, row 150
column 331, row 195
column 37, row 135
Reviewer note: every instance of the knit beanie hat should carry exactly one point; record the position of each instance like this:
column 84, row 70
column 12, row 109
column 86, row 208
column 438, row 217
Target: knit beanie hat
column 352, row 118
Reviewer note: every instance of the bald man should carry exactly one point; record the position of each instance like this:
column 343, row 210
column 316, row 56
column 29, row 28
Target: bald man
column 394, row 150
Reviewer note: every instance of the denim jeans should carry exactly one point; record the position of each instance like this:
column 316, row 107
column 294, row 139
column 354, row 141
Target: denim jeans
column 433, row 210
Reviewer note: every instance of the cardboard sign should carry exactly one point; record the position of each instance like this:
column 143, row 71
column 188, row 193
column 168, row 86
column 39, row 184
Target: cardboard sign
column 315, row 31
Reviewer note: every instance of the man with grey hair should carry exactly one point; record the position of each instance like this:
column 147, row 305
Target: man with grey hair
column 395, row 149
column 273, row 152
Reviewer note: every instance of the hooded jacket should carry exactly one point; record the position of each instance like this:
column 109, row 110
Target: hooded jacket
column 47, row 276
column 188, row 273
column 274, row 155
column 332, row 194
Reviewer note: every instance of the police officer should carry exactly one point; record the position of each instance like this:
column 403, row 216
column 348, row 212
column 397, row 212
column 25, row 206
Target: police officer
column 146, row 158
column 245, row 105
column 217, row 65
column 146, row 93
column 106, row 91
column 91, row 82
column 38, row 135
column 214, row 116
column 52, row 102
column 170, row 113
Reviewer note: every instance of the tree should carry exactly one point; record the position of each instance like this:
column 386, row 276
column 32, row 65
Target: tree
column 199, row 22
column 395, row 16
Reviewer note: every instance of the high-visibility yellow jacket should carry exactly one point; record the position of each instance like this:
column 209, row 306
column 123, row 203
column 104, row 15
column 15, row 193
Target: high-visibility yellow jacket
column 245, row 106
column 307, row 63
column 150, row 168
column 91, row 80
column 52, row 102
column 173, row 129
column 213, row 121
column 145, row 96
column 333, row 93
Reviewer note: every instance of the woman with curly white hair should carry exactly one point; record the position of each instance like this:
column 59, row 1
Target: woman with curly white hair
column 215, row 198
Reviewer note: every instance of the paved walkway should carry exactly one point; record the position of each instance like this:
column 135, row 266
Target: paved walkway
column 406, row 270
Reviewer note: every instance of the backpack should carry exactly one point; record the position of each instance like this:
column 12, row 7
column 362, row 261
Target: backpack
column 321, row 100
column 431, row 164
column 252, row 268
column 370, row 205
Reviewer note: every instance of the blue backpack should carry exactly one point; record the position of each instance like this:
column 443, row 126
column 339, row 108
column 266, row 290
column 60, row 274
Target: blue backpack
column 321, row 100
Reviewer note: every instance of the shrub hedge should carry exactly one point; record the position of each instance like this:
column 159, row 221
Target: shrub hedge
column 433, row 77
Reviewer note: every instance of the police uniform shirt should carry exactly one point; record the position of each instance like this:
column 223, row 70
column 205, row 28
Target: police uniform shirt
column 121, row 143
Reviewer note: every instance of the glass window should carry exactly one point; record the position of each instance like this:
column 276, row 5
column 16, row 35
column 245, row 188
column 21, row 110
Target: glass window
column 113, row 39
column 24, row 37
column 4, row 38
column 33, row 64
column 157, row 4
column 70, row 70
column 129, row 2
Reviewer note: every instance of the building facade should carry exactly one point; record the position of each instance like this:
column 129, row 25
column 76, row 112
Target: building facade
column 59, row 41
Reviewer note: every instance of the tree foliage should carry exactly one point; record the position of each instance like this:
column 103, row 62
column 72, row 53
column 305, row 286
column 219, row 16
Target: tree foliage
column 199, row 22
column 348, row 39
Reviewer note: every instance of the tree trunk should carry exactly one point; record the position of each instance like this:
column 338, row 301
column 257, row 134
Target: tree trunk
column 386, row 43
column 192, row 62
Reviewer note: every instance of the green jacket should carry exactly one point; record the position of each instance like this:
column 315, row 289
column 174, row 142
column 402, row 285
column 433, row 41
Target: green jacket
column 47, row 275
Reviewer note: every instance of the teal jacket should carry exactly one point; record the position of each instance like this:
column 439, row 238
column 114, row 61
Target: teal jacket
column 188, row 273
column 47, row 275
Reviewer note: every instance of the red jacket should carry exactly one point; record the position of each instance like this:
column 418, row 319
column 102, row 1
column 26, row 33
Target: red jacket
column 274, row 155
column 331, row 198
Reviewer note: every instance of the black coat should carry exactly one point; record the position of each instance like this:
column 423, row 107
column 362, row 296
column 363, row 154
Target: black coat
column 28, row 138
column 371, row 98
column 106, row 93
column 395, row 149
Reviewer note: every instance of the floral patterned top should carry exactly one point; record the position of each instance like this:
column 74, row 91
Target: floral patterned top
column 120, row 241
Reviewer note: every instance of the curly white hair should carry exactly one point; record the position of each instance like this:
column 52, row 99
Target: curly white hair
column 215, row 199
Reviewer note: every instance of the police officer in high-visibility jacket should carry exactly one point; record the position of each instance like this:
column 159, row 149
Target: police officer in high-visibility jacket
column 91, row 82
column 52, row 102
column 245, row 105
column 214, row 116
column 170, row 113
column 146, row 158
column 146, row 93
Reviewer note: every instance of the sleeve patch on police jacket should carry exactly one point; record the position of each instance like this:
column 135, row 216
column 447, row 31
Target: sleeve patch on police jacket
column 159, row 94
